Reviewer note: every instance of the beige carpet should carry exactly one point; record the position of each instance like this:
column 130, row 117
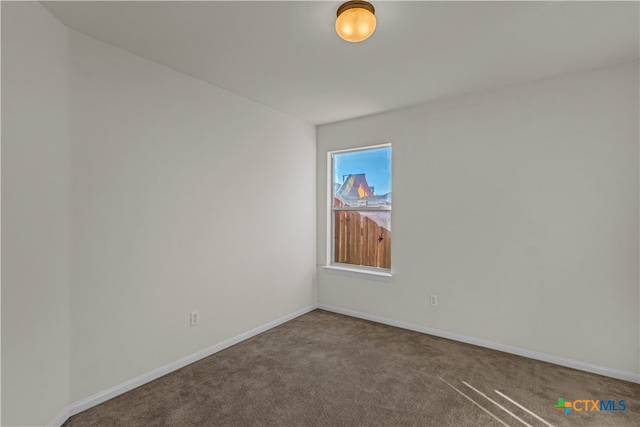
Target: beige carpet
column 325, row 369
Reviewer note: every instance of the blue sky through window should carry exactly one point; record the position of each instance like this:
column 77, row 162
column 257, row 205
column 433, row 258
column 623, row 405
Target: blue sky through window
column 374, row 163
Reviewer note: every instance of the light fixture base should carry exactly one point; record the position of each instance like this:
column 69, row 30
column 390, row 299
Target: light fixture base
column 356, row 4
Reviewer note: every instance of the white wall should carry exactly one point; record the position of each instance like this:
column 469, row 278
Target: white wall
column 35, row 215
column 518, row 208
column 184, row 197
column 132, row 195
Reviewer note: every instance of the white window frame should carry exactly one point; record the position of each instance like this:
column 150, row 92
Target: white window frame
column 350, row 269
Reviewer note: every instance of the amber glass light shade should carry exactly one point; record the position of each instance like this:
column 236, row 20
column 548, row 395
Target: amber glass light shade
column 356, row 21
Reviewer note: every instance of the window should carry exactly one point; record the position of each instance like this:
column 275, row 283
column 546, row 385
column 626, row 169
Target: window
column 360, row 210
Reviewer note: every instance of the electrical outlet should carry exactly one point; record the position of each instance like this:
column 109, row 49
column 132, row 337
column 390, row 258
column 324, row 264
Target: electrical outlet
column 434, row 299
column 195, row 318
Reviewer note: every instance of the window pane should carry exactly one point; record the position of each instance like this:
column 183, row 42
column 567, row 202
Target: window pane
column 363, row 238
column 362, row 178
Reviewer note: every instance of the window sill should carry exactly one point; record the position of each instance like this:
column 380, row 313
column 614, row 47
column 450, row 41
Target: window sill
column 358, row 272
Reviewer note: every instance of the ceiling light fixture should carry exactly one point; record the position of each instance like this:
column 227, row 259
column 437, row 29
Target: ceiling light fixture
column 356, row 21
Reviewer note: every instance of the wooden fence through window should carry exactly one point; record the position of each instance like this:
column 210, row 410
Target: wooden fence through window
column 359, row 240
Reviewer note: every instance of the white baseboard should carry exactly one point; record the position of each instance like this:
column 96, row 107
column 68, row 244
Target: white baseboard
column 557, row 360
column 117, row 390
column 60, row 419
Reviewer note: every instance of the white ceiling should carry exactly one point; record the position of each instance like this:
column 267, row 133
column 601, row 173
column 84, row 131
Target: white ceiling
column 286, row 54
